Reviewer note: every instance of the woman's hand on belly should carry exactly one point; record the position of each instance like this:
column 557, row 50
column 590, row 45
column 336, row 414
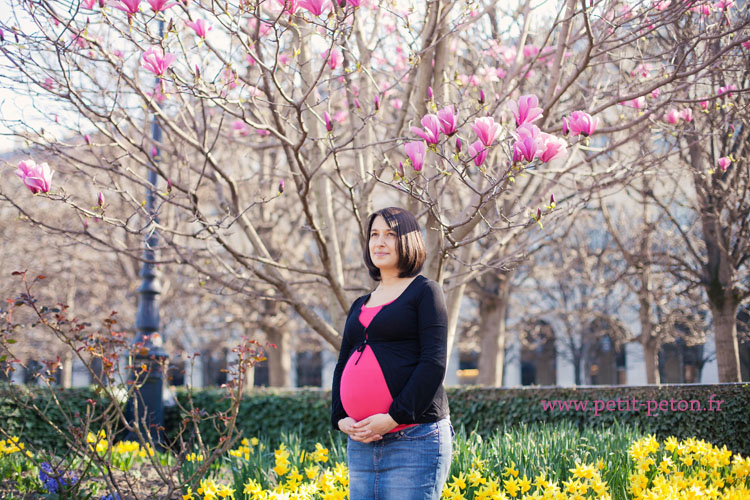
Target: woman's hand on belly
column 375, row 425
column 348, row 426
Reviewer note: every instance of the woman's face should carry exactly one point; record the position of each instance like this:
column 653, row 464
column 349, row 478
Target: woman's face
column 383, row 245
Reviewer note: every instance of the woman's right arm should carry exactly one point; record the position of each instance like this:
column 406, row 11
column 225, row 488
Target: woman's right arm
column 337, row 409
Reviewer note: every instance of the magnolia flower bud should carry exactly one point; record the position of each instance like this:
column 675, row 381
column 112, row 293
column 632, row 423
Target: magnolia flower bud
column 281, row 186
column 400, row 169
column 481, row 96
column 87, row 139
column 458, row 144
column 329, row 123
column 169, row 186
column 2, row 36
column 377, row 102
column 552, row 200
column 538, row 213
column 100, row 199
column 356, row 103
column 430, row 95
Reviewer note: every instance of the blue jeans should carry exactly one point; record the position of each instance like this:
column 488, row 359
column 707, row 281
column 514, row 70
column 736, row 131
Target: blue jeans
column 411, row 464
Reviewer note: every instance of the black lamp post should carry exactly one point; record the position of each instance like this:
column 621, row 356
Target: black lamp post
column 148, row 353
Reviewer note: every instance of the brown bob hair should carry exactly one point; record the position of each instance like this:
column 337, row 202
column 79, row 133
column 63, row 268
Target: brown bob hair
column 410, row 244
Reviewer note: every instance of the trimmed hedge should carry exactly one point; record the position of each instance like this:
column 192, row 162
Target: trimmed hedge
column 30, row 426
column 489, row 409
column 306, row 413
column 271, row 412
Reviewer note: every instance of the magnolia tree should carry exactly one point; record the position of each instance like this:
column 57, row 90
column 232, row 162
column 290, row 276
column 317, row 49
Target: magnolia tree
column 283, row 124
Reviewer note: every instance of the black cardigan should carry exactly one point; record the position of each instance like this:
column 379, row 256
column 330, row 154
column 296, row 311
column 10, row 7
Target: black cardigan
column 409, row 338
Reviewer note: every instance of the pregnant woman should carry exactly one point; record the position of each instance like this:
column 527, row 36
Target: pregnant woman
column 388, row 394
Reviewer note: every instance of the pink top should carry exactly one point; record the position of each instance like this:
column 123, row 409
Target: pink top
column 364, row 391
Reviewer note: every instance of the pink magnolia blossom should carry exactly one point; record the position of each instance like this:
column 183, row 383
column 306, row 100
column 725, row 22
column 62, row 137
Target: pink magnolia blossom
column 48, row 83
column 431, row 132
column 704, row 9
column 580, row 122
column 687, row 115
column 703, row 105
column 663, row 5
column 415, row 151
column 526, row 110
column 724, row 163
column 89, row 4
column 655, row 93
column 335, row 58
column 317, row 7
column 528, row 141
column 130, row 6
column 262, row 27
column 241, row 128
column 36, row 177
column 486, row 129
column 530, row 51
column 552, row 147
column 447, row 119
column 637, row 103
column 397, row 104
column 478, row 152
column 724, row 4
column 746, row 44
column 727, row 90
column 672, row 116
column 160, row 5
column 200, row 26
column 157, row 61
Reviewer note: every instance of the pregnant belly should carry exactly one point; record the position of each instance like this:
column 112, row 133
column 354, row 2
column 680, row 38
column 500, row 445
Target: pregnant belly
column 363, row 390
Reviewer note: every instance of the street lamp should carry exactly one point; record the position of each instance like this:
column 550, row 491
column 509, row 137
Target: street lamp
column 149, row 354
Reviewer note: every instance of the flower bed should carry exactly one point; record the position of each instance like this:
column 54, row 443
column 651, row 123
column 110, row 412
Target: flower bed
column 522, row 462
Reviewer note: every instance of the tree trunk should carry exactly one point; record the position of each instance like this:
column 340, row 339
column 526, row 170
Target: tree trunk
column 727, row 346
column 67, row 370
column 279, row 359
column 651, row 357
column 492, row 310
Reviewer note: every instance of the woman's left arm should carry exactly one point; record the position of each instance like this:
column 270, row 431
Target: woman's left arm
column 420, row 390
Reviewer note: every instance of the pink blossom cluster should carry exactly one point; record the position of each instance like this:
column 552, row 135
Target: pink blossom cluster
column 673, row 116
column 530, row 142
